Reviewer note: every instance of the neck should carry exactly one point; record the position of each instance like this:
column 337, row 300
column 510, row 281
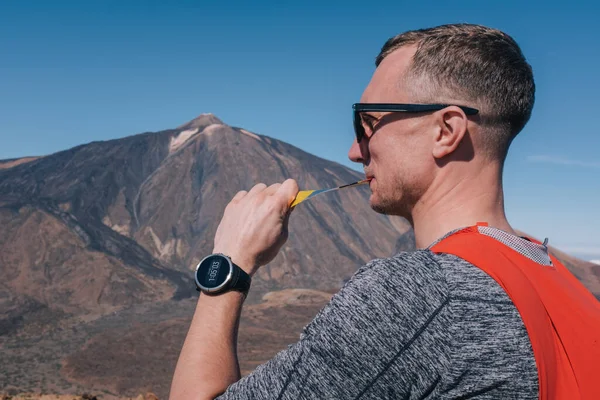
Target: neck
column 457, row 203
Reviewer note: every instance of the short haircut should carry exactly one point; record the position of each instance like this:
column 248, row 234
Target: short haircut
column 479, row 66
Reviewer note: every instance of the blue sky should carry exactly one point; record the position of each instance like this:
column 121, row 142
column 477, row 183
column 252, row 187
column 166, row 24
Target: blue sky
column 75, row 72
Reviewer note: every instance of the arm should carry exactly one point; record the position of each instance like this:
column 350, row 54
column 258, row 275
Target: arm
column 253, row 229
column 208, row 361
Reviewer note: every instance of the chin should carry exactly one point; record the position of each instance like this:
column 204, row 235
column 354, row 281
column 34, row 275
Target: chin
column 378, row 206
column 386, row 207
column 379, row 210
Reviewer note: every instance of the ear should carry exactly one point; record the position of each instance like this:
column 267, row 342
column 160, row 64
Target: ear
column 451, row 127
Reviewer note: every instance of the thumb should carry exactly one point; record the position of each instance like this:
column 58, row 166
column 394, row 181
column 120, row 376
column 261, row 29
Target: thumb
column 288, row 191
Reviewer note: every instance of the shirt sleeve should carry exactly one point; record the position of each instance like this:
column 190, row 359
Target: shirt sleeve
column 370, row 341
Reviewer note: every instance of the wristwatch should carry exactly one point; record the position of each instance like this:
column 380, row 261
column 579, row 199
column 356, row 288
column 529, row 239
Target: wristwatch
column 217, row 274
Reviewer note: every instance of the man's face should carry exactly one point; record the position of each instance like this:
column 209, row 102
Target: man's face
column 397, row 156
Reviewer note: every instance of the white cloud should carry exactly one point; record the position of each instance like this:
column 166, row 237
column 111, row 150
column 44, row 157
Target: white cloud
column 583, row 251
column 563, row 161
column 595, row 261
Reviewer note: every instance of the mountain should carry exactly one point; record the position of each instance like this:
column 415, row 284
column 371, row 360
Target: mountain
column 104, row 234
column 587, row 272
column 140, row 213
column 98, row 244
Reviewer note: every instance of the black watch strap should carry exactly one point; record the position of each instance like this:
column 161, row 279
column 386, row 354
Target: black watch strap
column 240, row 280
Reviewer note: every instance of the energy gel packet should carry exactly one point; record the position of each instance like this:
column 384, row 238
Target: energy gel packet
column 309, row 194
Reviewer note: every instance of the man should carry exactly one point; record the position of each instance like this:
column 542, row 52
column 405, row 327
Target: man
column 476, row 312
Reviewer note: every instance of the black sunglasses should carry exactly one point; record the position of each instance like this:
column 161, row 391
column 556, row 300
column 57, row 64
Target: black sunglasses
column 358, row 108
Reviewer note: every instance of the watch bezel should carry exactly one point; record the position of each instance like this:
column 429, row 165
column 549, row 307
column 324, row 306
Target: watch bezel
column 223, row 285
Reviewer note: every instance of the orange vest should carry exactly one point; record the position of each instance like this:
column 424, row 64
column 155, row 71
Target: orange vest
column 561, row 316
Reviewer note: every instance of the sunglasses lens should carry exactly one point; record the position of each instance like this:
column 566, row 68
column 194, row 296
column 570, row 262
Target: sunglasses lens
column 358, row 128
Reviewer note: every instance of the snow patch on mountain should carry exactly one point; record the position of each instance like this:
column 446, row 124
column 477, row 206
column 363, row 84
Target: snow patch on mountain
column 179, row 140
column 252, row 135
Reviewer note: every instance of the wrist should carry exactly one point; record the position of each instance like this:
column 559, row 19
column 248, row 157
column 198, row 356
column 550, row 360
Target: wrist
column 224, row 301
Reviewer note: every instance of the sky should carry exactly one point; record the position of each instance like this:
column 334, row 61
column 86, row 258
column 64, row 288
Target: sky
column 72, row 72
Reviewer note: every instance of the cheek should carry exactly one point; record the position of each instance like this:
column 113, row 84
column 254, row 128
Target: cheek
column 400, row 155
column 408, row 164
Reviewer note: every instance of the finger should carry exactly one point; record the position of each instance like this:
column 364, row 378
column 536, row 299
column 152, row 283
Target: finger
column 288, row 191
column 272, row 189
column 286, row 221
column 239, row 195
column 259, row 187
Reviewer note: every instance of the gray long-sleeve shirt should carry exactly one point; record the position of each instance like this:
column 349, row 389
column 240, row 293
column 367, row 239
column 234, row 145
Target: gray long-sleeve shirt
column 416, row 326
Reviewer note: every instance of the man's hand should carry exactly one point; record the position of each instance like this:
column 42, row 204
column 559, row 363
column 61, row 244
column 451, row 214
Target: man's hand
column 255, row 224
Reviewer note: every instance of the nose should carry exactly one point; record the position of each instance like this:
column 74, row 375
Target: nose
column 359, row 152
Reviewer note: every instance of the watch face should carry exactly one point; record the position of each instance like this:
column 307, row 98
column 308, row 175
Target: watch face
column 213, row 273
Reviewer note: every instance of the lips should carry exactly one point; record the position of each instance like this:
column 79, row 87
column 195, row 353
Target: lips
column 370, row 178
